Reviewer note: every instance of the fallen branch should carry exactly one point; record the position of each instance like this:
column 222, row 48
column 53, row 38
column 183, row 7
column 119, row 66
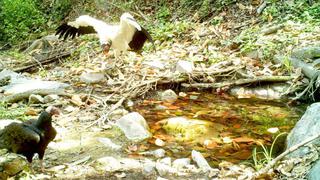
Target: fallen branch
column 239, row 82
column 262, row 7
column 272, row 163
column 41, row 62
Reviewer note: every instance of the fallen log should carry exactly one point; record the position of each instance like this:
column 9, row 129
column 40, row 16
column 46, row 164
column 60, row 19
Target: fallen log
column 239, row 82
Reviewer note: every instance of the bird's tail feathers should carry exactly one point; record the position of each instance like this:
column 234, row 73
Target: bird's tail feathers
column 149, row 37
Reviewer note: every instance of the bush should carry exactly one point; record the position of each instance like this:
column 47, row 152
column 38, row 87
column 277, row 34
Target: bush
column 19, row 18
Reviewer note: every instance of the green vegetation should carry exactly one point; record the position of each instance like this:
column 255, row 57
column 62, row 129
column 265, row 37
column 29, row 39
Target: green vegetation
column 12, row 113
column 262, row 158
column 18, row 18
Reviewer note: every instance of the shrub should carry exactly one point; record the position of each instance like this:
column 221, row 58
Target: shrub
column 18, row 18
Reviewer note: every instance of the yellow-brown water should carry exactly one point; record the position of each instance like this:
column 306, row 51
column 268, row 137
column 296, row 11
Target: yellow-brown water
column 220, row 126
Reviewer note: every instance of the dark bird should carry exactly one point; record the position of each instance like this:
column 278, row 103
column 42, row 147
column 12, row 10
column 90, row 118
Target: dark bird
column 30, row 137
column 128, row 35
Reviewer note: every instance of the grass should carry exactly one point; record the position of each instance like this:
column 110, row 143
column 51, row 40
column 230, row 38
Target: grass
column 260, row 159
column 12, row 113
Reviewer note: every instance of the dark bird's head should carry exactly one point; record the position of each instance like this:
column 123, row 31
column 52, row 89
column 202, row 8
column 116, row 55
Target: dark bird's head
column 45, row 117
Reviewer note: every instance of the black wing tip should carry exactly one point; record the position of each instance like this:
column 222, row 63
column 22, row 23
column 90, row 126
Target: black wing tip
column 147, row 34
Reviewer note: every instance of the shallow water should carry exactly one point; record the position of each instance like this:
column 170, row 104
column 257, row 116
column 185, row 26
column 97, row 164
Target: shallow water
column 221, row 127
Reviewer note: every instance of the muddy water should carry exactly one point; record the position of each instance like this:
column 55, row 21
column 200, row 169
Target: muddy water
column 219, row 126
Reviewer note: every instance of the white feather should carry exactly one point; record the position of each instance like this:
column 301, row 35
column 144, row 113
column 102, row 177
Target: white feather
column 120, row 35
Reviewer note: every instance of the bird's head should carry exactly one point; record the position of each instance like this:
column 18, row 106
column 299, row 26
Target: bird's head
column 106, row 47
column 53, row 111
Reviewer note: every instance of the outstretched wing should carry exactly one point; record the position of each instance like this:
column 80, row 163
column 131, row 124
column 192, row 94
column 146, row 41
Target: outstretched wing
column 64, row 31
column 139, row 39
column 85, row 25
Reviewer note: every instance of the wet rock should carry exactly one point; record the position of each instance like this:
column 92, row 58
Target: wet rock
column 200, row 160
column 307, row 126
column 134, row 127
column 92, row 77
column 6, row 122
column 181, row 163
column 109, row 164
column 184, row 66
column 168, row 95
column 35, row 99
column 109, row 144
column 185, row 129
column 50, row 98
column 314, row 172
column 11, row 164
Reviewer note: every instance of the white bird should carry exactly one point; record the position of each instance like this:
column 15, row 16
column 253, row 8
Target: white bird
column 128, row 35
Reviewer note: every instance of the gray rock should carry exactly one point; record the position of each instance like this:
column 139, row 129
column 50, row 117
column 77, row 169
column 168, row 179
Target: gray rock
column 314, row 173
column 307, row 126
column 149, row 167
column 134, row 127
column 6, row 122
column 92, row 77
column 166, row 161
column 130, row 164
column 50, row 98
column 35, row 99
column 11, row 164
column 109, row 144
column 181, row 163
column 168, row 95
column 164, row 169
column 110, row 164
column 26, row 85
column 200, row 160
column 184, row 66
column 158, row 153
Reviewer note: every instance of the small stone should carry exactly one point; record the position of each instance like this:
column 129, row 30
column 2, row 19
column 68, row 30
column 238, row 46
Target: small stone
column 130, row 164
column 163, row 169
column 109, row 144
column 92, row 77
column 184, row 66
column 273, row 130
column 159, row 153
column 200, row 160
column 168, row 95
column 35, row 99
column 149, row 167
column 50, row 98
column 166, row 161
column 159, row 142
column 110, row 164
column 134, row 127
column 161, row 178
column 181, row 163
column 182, row 94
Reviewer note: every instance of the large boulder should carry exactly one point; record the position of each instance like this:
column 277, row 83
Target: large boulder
column 307, row 126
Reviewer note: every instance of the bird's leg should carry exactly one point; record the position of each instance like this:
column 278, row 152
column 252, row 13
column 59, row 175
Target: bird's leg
column 41, row 165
